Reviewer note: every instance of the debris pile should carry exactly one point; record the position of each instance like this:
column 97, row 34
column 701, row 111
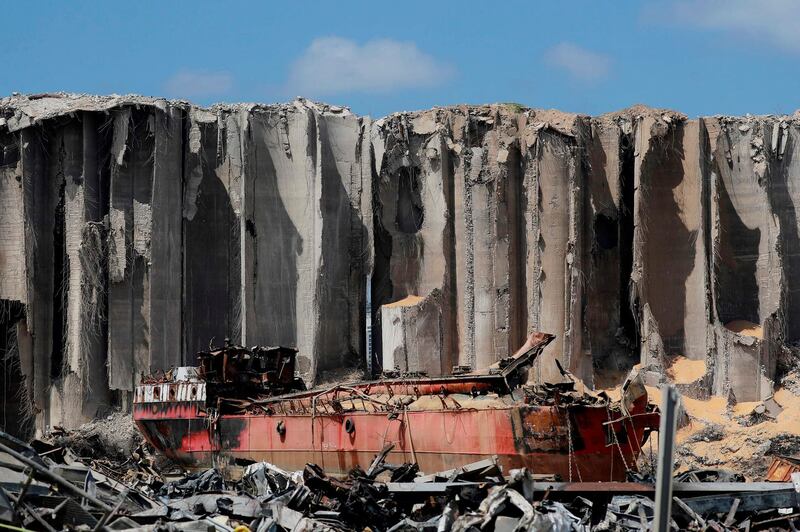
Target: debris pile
column 742, row 436
column 113, row 437
column 723, row 432
column 43, row 487
column 47, row 487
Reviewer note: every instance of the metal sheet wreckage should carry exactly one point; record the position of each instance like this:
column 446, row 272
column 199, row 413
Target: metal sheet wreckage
column 47, row 487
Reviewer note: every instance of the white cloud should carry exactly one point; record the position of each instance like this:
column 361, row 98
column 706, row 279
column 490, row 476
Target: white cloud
column 198, row 84
column 776, row 22
column 579, row 63
column 333, row 65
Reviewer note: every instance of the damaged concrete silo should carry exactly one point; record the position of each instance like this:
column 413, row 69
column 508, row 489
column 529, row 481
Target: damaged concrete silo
column 139, row 231
column 135, row 232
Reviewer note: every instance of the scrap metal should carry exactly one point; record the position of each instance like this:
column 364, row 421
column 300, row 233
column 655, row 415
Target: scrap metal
column 477, row 496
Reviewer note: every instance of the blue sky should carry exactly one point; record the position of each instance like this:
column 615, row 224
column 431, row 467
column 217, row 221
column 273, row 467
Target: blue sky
column 700, row 57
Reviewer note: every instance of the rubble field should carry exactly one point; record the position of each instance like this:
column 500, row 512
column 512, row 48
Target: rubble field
column 60, row 483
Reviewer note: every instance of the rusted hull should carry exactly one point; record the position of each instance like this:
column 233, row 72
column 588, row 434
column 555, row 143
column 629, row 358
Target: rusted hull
column 537, row 437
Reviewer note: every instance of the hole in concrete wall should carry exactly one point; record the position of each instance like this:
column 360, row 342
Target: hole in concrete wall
column 668, row 242
column 410, row 213
column 250, row 227
column 60, row 287
column 735, row 264
column 476, row 131
column 382, row 287
column 16, row 416
column 606, row 232
column 9, row 150
column 518, row 291
column 96, row 165
column 615, row 337
column 449, row 308
column 104, row 156
column 601, row 305
column 628, row 333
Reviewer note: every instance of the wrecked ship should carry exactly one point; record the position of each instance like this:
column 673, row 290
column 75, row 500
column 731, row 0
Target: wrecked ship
column 245, row 405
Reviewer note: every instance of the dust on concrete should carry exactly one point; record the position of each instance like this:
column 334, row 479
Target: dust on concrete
column 734, row 436
column 719, row 433
column 746, row 328
column 686, row 371
column 408, row 301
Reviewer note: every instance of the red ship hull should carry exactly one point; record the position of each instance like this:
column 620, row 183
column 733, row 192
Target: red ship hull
column 439, row 423
column 537, row 437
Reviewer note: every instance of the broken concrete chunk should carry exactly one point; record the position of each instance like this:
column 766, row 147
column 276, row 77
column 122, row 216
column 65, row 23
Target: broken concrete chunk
column 142, row 228
column 424, row 124
column 194, row 136
column 412, row 333
column 502, row 156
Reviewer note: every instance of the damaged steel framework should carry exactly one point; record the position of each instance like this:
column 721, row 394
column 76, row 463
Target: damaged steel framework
column 135, row 231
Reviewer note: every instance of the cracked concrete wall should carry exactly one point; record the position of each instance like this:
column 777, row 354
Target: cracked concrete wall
column 135, row 232
column 39, row 203
column 623, row 233
column 305, row 237
column 139, row 231
column 15, row 373
column 459, row 209
column 12, row 228
column 212, row 293
column 669, row 245
column 279, row 245
column 755, row 244
column 131, row 227
column 556, row 252
column 412, row 334
column 413, row 226
column 166, row 246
